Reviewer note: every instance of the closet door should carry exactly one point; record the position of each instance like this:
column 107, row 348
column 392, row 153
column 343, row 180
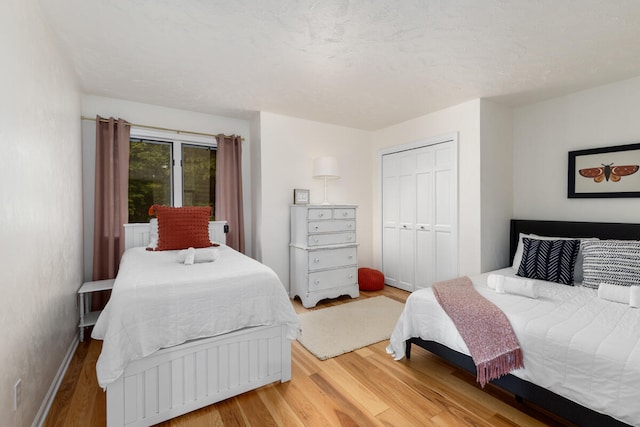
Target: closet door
column 391, row 219
column 399, row 219
column 407, row 225
column 446, row 212
column 425, row 230
column 419, row 215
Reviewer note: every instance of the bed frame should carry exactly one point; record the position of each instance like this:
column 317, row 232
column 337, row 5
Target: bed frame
column 190, row 376
column 524, row 390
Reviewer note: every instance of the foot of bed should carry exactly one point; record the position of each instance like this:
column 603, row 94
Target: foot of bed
column 407, row 350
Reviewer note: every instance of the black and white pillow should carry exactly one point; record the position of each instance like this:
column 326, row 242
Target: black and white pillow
column 611, row 261
column 550, row 260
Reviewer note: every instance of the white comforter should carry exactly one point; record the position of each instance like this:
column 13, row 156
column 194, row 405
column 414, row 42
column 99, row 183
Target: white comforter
column 577, row 345
column 157, row 302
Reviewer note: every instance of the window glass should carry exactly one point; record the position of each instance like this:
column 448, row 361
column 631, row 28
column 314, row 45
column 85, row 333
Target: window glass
column 150, row 179
column 198, row 176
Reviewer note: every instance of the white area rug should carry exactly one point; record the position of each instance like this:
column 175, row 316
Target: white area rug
column 332, row 331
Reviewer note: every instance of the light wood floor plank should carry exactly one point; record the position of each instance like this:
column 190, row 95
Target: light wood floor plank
column 279, row 408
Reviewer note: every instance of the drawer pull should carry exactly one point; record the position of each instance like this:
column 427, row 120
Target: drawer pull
column 351, row 276
column 349, row 237
column 349, row 225
column 344, row 214
column 350, row 257
column 321, row 215
column 422, row 227
column 315, row 240
column 317, row 282
column 317, row 260
column 316, row 227
column 404, row 226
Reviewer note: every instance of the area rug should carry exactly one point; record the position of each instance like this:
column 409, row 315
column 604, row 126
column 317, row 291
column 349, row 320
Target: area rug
column 332, row 331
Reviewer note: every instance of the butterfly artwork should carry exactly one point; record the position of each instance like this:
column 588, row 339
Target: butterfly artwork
column 608, row 172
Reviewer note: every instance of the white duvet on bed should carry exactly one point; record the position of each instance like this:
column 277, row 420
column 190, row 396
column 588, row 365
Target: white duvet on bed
column 157, row 302
column 575, row 344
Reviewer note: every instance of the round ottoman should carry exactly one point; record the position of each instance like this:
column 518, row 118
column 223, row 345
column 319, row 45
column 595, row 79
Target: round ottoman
column 370, row 279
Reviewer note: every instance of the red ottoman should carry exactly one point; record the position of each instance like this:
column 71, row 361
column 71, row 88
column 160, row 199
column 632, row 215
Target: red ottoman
column 370, row 279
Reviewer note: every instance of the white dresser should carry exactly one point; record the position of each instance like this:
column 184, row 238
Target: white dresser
column 323, row 252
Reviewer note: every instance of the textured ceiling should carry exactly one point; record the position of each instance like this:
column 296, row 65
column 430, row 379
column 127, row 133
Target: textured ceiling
column 363, row 64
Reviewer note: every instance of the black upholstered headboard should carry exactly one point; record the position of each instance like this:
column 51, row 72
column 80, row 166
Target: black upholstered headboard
column 601, row 230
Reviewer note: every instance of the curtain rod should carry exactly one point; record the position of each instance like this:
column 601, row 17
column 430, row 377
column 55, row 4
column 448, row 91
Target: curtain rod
column 93, row 119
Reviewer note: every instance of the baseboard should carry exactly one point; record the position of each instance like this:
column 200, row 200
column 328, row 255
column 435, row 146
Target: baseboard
column 41, row 416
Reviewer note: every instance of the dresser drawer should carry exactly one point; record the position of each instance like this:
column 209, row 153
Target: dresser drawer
column 331, row 239
column 332, row 278
column 331, row 226
column 319, row 213
column 344, row 213
column 332, row 258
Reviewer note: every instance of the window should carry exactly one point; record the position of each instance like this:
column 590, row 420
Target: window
column 167, row 171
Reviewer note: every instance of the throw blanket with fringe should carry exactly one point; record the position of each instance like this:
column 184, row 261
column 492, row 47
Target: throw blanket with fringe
column 485, row 329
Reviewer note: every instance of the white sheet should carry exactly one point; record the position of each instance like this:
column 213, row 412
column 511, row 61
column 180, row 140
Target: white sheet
column 574, row 343
column 157, row 302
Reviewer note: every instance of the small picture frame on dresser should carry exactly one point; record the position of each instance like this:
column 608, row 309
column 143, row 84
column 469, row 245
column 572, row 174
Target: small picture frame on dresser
column 300, row 196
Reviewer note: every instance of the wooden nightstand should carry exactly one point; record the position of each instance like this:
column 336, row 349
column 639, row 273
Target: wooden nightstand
column 89, row 318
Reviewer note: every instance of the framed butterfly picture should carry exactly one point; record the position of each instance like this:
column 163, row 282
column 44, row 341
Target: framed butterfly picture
column 605, row 172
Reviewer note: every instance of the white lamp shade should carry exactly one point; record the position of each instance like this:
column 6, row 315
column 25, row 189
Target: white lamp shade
column 325, row 167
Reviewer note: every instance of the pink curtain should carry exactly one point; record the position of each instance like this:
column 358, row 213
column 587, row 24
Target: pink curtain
column 111, row 199
column 229, row 188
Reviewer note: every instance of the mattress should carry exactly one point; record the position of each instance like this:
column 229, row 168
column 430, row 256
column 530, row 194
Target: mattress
column 157, row 302
column 575, row 344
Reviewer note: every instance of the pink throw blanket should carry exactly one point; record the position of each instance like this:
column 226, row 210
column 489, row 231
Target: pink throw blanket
column 485, row 329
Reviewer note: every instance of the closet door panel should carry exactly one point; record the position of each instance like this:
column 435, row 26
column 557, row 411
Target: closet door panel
column 446, row 263
column 424, row 259
column 443, row 199
column 406, row 259
column 390, row 258
column 424, row 200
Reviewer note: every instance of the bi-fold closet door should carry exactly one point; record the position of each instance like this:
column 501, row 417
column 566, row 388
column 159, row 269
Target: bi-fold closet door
column 419, row 214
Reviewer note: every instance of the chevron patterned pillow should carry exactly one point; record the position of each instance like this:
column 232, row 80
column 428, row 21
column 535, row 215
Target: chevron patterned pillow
column 611, row 261
column 550, row 260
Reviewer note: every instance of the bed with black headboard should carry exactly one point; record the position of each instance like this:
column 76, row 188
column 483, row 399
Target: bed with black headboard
column 525, row 389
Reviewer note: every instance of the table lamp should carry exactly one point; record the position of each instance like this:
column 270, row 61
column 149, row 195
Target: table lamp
column 325, row 167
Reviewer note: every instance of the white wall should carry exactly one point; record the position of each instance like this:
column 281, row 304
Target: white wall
column 496, row 177
column 41, row 210
column 545, row 132
column 153, row 115
column 288, row 147
column 464, row 119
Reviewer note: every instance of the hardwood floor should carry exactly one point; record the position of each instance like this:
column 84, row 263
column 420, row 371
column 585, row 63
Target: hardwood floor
column 363, row 388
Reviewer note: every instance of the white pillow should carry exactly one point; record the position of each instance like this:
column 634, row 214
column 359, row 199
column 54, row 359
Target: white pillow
column 153, row 233
column 577, row 270
column 517, row 257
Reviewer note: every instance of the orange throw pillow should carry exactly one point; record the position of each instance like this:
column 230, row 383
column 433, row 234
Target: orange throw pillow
column 182, row 228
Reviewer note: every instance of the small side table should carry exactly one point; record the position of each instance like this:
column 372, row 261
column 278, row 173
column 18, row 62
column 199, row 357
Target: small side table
column 89, row 318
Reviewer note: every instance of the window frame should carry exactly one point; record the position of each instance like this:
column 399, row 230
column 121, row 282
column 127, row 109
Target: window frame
column 176, row 140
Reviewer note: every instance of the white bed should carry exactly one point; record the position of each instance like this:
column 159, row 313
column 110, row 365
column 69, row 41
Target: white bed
column 180, row 337
column 575, row 344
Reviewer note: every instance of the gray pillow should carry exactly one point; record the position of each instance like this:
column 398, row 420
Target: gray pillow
column 616, row 262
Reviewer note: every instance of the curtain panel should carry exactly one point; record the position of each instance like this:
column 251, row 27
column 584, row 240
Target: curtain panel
column 111, row 198
column 229, row 205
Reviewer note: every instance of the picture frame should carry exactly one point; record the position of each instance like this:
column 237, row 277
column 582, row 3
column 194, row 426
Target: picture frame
column 604, row 172
column 300, row 196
